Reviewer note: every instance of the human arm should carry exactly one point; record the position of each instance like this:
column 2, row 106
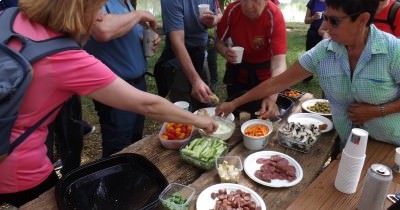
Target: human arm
column 209, row 19
column 323, row 30
column 268, row 104
column 294, row 74
column 309, row 18
column 226, row 51
column 360, row 113
column 111, row 26
column 121, row 95
column 199, row 89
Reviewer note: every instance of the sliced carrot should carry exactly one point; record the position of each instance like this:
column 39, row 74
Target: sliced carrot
column 256, row 130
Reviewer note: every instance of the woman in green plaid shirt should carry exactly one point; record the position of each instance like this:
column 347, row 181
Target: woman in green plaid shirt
column 358, row 69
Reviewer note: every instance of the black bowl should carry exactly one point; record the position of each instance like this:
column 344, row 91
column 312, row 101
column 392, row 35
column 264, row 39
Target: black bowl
column 123, row 181
column 285, row 104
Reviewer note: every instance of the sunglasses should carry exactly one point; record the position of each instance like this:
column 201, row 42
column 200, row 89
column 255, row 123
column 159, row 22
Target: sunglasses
column 335, row 21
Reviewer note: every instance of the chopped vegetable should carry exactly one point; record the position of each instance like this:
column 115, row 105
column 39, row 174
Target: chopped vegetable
column 228, row 172
column 203, row 151
column 175, row 199
column 256, row 130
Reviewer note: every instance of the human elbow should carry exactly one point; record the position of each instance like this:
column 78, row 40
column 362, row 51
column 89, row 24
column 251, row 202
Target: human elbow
column 102, row 35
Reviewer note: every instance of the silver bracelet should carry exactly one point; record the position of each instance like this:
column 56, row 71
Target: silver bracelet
column 382, row 110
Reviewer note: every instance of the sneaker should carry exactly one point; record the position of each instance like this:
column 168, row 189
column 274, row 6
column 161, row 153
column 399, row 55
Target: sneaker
column 87, row 128
column 57, row 165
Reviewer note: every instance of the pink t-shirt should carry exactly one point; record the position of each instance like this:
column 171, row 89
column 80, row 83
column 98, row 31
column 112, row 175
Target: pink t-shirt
column 55, row 79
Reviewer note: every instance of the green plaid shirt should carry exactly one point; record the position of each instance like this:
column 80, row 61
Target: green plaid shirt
column 375, row 81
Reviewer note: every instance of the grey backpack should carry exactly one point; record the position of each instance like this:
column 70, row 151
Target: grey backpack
column 16, row 74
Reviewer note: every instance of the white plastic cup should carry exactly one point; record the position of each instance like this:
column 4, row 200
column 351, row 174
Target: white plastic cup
column 183, row 105
column 356, row 145
column 203, row 8
column 397, row 156
column 239, row 53
column 148, row 42
column 349, row 173
column 319, row 14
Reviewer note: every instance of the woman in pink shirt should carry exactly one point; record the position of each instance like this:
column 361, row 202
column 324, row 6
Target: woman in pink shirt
column 27, row 172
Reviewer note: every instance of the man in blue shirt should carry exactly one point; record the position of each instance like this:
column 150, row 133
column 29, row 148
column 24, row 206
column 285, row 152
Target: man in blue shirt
column 117, row 42
column 187, row 37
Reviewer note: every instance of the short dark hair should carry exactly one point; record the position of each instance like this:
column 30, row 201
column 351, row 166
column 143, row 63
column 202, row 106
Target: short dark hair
column 355, row 7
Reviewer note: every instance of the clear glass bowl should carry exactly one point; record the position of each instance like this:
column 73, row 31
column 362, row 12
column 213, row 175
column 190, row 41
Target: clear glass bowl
column 229, row 168
column 203, row 161
column 293, row 143
column 176, row 197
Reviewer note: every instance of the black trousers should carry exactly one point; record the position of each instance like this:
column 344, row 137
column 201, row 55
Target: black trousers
column 20, row 198
column 172, row 81
column 66, row 133
column 313, row 38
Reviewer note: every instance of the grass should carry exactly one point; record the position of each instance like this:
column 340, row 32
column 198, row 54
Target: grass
column 296, row 33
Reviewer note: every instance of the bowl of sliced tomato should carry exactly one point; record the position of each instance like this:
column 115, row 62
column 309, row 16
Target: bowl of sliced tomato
column 174, row 135
column 256, row 133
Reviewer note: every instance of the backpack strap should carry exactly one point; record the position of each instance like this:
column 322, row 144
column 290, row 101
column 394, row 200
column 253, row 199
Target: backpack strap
column 33, row 50
column 30, row 130
column 394, row 8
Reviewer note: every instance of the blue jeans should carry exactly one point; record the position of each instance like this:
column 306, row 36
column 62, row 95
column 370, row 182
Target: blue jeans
column 120, row 128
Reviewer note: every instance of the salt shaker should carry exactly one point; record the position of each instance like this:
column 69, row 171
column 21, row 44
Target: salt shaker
column 377, row 183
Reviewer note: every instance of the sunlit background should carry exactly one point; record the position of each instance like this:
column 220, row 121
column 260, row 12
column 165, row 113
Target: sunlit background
column 293, row 10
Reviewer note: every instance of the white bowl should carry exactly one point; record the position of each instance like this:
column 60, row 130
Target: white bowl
column 225, row 128
column 256, row 142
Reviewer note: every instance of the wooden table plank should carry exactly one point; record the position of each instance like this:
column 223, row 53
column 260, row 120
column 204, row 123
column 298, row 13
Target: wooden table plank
column 322, row 194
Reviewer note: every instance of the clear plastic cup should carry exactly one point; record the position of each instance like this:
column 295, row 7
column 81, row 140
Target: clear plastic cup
column 203, row 8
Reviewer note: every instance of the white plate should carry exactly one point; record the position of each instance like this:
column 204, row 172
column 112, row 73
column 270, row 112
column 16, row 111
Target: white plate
column 251, row 166
column 211, row 112
column 310, row 118
column 312, row 102
column 205, row 202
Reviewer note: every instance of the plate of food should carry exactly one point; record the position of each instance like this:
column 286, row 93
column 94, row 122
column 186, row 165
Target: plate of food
column 317, row 106
column 324, row 124
column 273, row 169
column 292, row 93
column 213, row 196
column 210, row 111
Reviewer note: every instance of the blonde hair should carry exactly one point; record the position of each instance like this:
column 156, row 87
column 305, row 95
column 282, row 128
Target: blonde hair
column 72, row 17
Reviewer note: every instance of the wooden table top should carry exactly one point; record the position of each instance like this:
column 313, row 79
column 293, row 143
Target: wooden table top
column 176, row 170
column 322, row 194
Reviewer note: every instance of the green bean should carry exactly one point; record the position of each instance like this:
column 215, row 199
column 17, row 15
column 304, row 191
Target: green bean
column 320, row 107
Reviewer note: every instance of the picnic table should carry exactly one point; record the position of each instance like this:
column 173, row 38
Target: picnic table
column 176, row 170
column 322, row 194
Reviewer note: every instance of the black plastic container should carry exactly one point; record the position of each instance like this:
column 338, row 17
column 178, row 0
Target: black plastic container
column 123, row 181
column 285, row 104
